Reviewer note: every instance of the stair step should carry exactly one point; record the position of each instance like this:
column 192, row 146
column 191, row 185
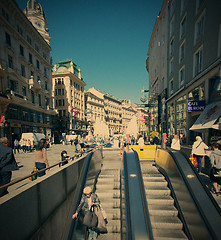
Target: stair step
column 166, row 222
column 154, row 184
column 162, row 210
column 157, row 192
column 160, row 201
column 153, row 178
column 168, row 234
column 112, row 236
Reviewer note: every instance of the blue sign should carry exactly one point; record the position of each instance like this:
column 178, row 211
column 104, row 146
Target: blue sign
column 195, row 106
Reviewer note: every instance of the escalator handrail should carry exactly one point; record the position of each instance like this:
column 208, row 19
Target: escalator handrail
column 135, row 206
column 71, row 224
column 207, row 224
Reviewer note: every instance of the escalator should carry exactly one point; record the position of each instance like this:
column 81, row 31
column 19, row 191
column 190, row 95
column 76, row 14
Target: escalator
column 150, row 199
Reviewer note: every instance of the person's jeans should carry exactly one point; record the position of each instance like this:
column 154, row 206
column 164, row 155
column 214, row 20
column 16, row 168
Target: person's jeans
column 5, row 177
column 92, row 234
column 40, row 166
column 199, row 162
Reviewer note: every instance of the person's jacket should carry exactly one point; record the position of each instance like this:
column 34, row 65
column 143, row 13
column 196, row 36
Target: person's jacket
column 7, row 159
column 84, row 202
column 215, row 158
column 199, row 148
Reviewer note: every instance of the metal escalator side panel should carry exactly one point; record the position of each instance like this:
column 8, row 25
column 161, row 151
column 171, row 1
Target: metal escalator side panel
column 137, row 225
column 200, row 213
column 89, row 170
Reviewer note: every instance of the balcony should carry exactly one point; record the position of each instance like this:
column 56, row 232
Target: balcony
column 34, row 84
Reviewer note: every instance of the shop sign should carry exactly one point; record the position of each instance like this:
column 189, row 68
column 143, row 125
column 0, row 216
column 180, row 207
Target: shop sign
column 195, row 106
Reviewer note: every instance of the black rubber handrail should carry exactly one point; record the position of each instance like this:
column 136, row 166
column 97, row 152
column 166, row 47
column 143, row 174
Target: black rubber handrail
column 137, row 216
column 207, row 224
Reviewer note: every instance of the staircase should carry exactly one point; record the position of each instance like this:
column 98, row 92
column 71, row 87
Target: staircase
column 163, row 215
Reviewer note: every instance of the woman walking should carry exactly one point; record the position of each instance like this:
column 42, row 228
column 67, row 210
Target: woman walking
column 198, row 151
column 175, row 143
column 88, row 200
column 41, row 160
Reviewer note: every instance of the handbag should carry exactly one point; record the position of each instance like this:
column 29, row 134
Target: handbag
column 101, row 226
column 34, row 177
column 193, row 160
column 90, row 218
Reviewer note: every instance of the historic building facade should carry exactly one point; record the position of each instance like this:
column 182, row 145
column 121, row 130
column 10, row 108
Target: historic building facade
column 25, row 71
column 94, row 105
column 68, row 92
column 194, row 60
column 115, row 113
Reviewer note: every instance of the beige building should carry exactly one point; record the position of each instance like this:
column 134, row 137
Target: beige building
column 68, row 92
column 25, row 71
column 115, row 113
column 94, row 104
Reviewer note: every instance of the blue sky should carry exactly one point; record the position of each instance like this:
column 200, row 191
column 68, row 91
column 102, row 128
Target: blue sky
column 108, row 39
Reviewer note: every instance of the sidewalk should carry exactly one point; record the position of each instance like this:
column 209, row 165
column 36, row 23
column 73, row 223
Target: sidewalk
column 26, row 163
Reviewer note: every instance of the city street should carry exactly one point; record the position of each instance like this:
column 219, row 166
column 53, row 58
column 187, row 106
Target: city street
column 25, row 162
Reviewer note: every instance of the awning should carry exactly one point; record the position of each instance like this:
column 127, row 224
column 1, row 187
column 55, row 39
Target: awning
column 208, row 118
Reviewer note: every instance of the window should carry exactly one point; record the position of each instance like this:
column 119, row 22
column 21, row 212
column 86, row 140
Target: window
column 198, row 58
column 182, row 76
column 59, row 91
column 21, row 50
column 32, row 97
column 163, row 82
column 30, row 58
column 46, row 86
column 200, row 26
column 32, row 74
column 182, row 27
column 8, row 38
column 23, row 70
column 172, row 46
column 182, row 51
column 183, row 5
column 171, row 66
column 29, row 39
column 37, row 64
column 19, row 29
column 10, row 62
column 24, row 91
column 39, row 99
column 45, row 72
column 171, row 27
column 171, row 86
column 36, row 48
column 172, row 5
column 13, row 85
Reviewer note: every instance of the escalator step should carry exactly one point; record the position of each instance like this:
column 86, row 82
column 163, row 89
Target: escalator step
column 168, row 234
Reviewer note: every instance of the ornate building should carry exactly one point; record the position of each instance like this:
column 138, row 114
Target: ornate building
column 68, row 91
column 25, row 71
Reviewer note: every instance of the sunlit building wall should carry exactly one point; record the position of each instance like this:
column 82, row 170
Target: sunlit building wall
column 68, row 90
column 25, row 71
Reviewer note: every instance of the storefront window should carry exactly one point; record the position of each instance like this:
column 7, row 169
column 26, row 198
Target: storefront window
column 215, row 90
column 197, row 94
column 181, row 115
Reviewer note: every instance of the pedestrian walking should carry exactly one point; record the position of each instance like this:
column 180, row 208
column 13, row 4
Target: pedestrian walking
column 175, row 143
column 7, row 164
column 76, row 143
column 88, row 200
column 141, row 141
column 16, row 146
column 198, row 151
column 215, row 173
column 41, row 160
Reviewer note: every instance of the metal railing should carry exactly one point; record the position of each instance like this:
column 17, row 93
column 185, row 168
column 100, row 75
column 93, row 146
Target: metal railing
column 39, row 171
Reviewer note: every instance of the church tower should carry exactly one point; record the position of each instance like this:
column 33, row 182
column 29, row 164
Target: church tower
column 36, row 16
